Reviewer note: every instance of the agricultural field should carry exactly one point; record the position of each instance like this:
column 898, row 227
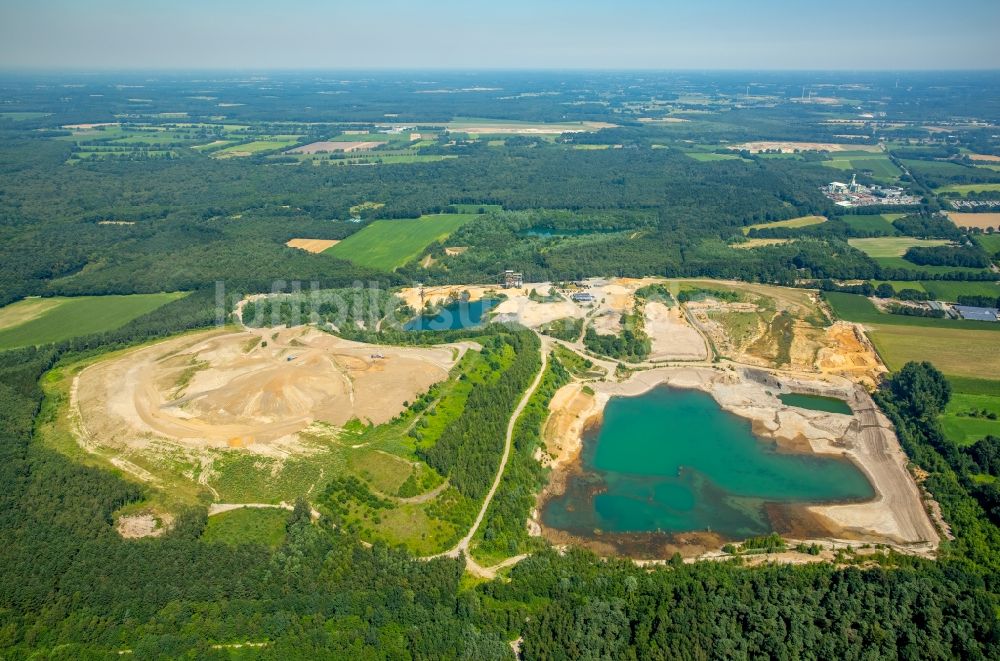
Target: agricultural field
column 802, row 221
column 977, row 220
column 881, row 223
column 858, row 309
column 889, row 251
column 965, row 189
column 954, row 351
column 989, row 242
column 36, row 321
column 878, row 165
column 274, row 143
column 970, row 417
column 311, row 245
column 388, row 244
column 708, row 157
column 950, row 290
column 882, row 247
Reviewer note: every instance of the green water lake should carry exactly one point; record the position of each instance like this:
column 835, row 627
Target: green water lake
column 673, row 461
column 816, row 403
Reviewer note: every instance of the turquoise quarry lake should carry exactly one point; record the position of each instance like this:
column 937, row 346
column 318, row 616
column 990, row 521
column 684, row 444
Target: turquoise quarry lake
column 462, row 314
column 672, row 461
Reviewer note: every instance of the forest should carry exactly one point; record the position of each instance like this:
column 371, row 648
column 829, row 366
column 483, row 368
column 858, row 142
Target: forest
column 72, row 587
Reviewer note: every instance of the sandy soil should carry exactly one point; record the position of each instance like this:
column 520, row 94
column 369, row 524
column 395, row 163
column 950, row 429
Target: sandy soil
column 143, row 524
column 896, row 516
column 25, row 310
column 980, row 220
column 116, row 222
column 791, row 147
column 312, row 245
column 988, row 158
column 325, row 147
column 454, row 251
column 847, row 352
column 225, row 389
column 672, row 336
column 759, row 243
column 534, row 314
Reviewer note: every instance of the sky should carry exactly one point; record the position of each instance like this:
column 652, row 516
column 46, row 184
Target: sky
column 504, row 34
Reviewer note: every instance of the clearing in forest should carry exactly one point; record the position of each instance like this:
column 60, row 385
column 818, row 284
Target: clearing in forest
column 801, row 221
column 388, row 244
column 312, row 245
column 37, row 321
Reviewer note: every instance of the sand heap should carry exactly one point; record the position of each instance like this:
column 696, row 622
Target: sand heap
column 251, row 389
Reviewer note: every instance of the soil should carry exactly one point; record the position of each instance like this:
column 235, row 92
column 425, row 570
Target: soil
column 220, row 389
column 312, row 245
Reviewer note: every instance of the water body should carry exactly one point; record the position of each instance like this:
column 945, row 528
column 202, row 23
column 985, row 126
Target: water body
column 816, row 403
column 462, row 314
column 673, row 461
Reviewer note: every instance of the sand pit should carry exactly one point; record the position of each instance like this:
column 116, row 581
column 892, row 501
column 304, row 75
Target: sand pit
column 534, row 314
column 979, row 220
column 220, row 389
column 326, row 147
column 792, row 147
column 312, row 245
column 671, row 335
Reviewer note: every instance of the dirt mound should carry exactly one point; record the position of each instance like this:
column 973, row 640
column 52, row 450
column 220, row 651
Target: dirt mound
column 223, row 389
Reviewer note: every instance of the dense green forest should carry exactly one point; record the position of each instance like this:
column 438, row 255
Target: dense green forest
column 632, row 201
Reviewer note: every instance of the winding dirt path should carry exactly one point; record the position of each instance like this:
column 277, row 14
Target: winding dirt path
column 462, row 547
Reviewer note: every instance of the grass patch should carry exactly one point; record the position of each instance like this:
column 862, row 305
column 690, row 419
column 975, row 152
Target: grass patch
column 881, row 224
column 857, row 308
column 250, row 525
column 708, row 157
column 950, row 290
column 802, row 221
column 892, row 246
column 63, row 318
column 388, row 244
column 965, row 189
column 966, row 418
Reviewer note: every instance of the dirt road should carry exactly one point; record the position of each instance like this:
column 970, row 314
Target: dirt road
column 462, row 547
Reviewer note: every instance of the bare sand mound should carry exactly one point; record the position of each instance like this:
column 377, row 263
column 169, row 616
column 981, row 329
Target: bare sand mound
column 249, row 389
column 671, row 335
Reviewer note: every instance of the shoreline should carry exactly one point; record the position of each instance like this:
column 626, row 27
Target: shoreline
column 894, row 516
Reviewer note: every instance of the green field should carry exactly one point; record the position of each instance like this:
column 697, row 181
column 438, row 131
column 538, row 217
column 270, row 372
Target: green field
column 257, row 146
column 965, row 189
column 954, row 351
column 711, row 156
column 881, row 223
column 35, row 321
column 989, row 242
column 251, row 525
column 963, row 420
column 891, row 246
column 857, row 308
column 802, row 221
column 878, row 164
column 388, row 244
column 950, row 290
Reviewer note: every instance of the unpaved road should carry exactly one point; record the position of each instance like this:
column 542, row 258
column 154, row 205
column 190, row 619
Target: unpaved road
column 462, row 547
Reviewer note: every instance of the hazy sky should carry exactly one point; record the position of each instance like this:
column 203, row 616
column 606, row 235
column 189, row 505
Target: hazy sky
column 331, row 34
